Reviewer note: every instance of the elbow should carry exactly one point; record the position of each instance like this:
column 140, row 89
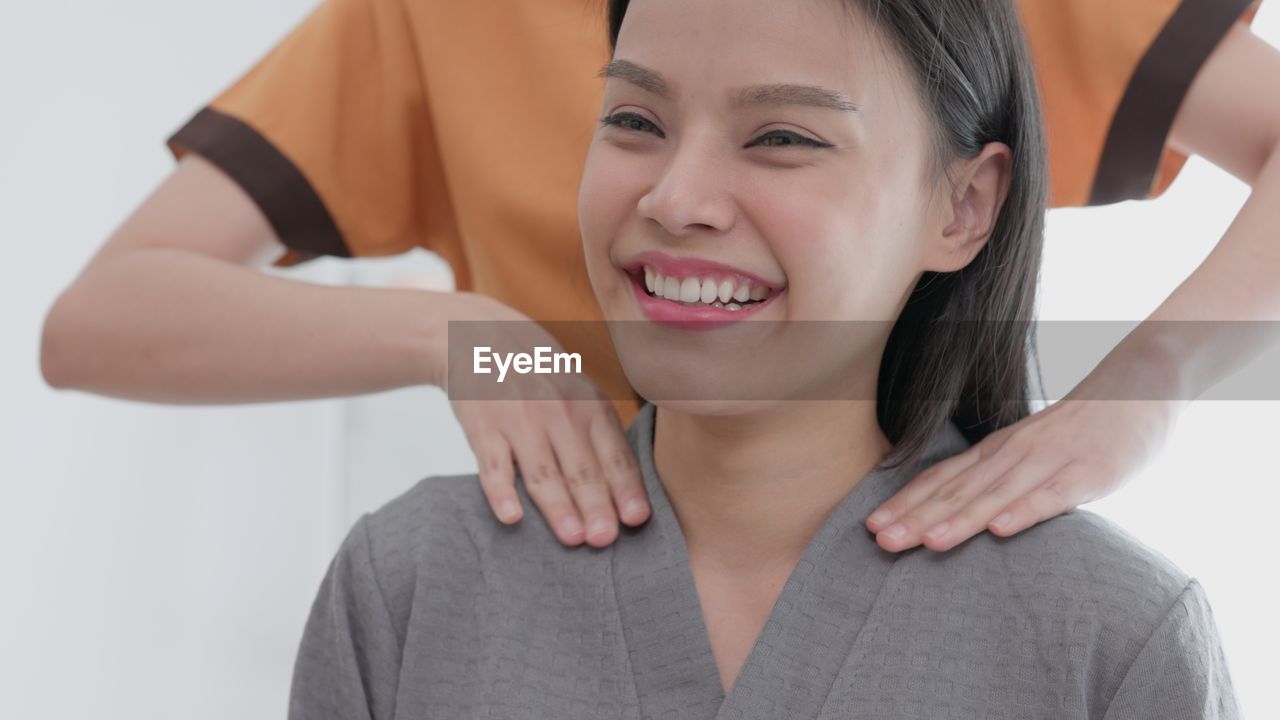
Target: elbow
column 1266, row 160
column 57, row 346
column 1270, row 163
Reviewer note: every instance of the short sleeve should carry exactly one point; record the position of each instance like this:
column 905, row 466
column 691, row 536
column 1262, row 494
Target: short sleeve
column 1112, row 77
column 348, row 663
column 330, row 134
column 1181, row 673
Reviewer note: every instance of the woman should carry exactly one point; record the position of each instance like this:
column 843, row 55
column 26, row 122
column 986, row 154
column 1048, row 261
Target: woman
column 878, row 163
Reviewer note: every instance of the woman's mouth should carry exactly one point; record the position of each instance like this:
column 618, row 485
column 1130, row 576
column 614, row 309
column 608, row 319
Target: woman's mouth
column 697, row 302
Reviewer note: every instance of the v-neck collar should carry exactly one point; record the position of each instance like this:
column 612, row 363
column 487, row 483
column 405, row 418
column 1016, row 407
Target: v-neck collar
column 809, row 632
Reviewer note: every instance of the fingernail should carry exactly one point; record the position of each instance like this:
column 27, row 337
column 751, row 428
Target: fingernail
column 896, row 532
column 1002, row 520
column 633, row 508
column 880, row 517
column 938, row 530
column 570, row 526
column 509, row 510
column 599, row 526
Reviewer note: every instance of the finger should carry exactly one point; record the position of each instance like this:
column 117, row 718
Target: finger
column 988, row 502
column 945, row 500
column 546, row 487
column 1054, row 496
column 497, row 477
column 584, row 478
column 621, row 471
column 921, row 487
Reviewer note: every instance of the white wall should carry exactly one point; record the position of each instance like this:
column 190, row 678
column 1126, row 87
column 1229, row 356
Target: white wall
column 157, row 559
column 160, row 561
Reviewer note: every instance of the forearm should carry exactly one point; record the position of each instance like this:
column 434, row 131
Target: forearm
column 1239, row 282
column 173, row 326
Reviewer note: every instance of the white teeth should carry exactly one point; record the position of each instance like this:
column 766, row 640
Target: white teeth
column 725, row 291
column 671, row 288
column 730, row 306
column 708, row 291
column 705, row 291
column 690, row 290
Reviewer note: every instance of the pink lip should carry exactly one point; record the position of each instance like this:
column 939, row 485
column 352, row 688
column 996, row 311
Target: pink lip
column 686, row 267
column 687, row 317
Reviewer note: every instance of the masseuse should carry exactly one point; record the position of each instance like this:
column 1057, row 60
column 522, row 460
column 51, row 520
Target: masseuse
column 378, row 126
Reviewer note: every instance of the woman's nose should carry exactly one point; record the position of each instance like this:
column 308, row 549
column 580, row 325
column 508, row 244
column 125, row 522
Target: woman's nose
column 691, row 194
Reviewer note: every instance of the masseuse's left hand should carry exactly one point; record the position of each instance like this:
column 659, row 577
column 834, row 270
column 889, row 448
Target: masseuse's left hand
column 1085, row 446
column 1074, row 451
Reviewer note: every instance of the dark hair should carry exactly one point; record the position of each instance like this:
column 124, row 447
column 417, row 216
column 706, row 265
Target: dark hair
column 962, row 346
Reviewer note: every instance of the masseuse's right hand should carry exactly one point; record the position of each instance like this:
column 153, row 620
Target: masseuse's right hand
column 576, row 465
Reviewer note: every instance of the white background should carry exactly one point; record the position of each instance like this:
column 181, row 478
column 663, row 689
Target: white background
column 160, row 561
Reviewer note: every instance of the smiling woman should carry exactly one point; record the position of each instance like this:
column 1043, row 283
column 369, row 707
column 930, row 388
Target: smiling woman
column 753, row 590
column 790, row 180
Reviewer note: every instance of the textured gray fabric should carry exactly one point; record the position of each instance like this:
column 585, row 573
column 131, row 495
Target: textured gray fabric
column 434, row 609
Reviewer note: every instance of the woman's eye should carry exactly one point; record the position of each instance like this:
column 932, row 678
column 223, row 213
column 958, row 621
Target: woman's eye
column 783, row 138
column 630, row 121
column 788, row 139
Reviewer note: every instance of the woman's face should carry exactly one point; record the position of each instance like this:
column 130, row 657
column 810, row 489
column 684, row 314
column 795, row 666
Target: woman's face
column 757, row 149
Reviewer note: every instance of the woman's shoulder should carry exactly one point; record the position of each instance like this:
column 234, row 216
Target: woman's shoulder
column 1078, row 563
column 442, row 531
column 1104, row 558
column 447, row 518
column 1077, row 597
column 437, row 510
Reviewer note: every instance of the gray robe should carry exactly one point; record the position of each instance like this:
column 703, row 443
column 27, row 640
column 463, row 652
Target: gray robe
column 434, row 609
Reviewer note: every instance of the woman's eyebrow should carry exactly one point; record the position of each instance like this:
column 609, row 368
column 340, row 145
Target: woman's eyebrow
column 776, row 94
column 637, row 75
column 790, row 94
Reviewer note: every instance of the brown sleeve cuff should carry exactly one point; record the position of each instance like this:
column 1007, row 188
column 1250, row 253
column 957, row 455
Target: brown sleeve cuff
column 296, row 213
column 1139, row 130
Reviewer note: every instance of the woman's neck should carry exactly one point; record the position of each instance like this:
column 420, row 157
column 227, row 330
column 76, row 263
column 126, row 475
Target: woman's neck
column 750, row 491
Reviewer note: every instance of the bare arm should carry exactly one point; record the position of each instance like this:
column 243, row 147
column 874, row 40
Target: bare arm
column 1232, row 118
column 1221, row 318
column 174, row 309
column 1224, row 315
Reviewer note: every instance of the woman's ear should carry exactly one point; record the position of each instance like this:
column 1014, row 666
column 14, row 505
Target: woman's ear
column 972, row 208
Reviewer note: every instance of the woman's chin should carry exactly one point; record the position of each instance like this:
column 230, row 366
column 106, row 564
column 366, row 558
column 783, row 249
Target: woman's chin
column 700, row 388
column 711, row 408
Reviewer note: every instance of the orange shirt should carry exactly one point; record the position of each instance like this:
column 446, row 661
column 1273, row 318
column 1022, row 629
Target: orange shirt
column 462, row 127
